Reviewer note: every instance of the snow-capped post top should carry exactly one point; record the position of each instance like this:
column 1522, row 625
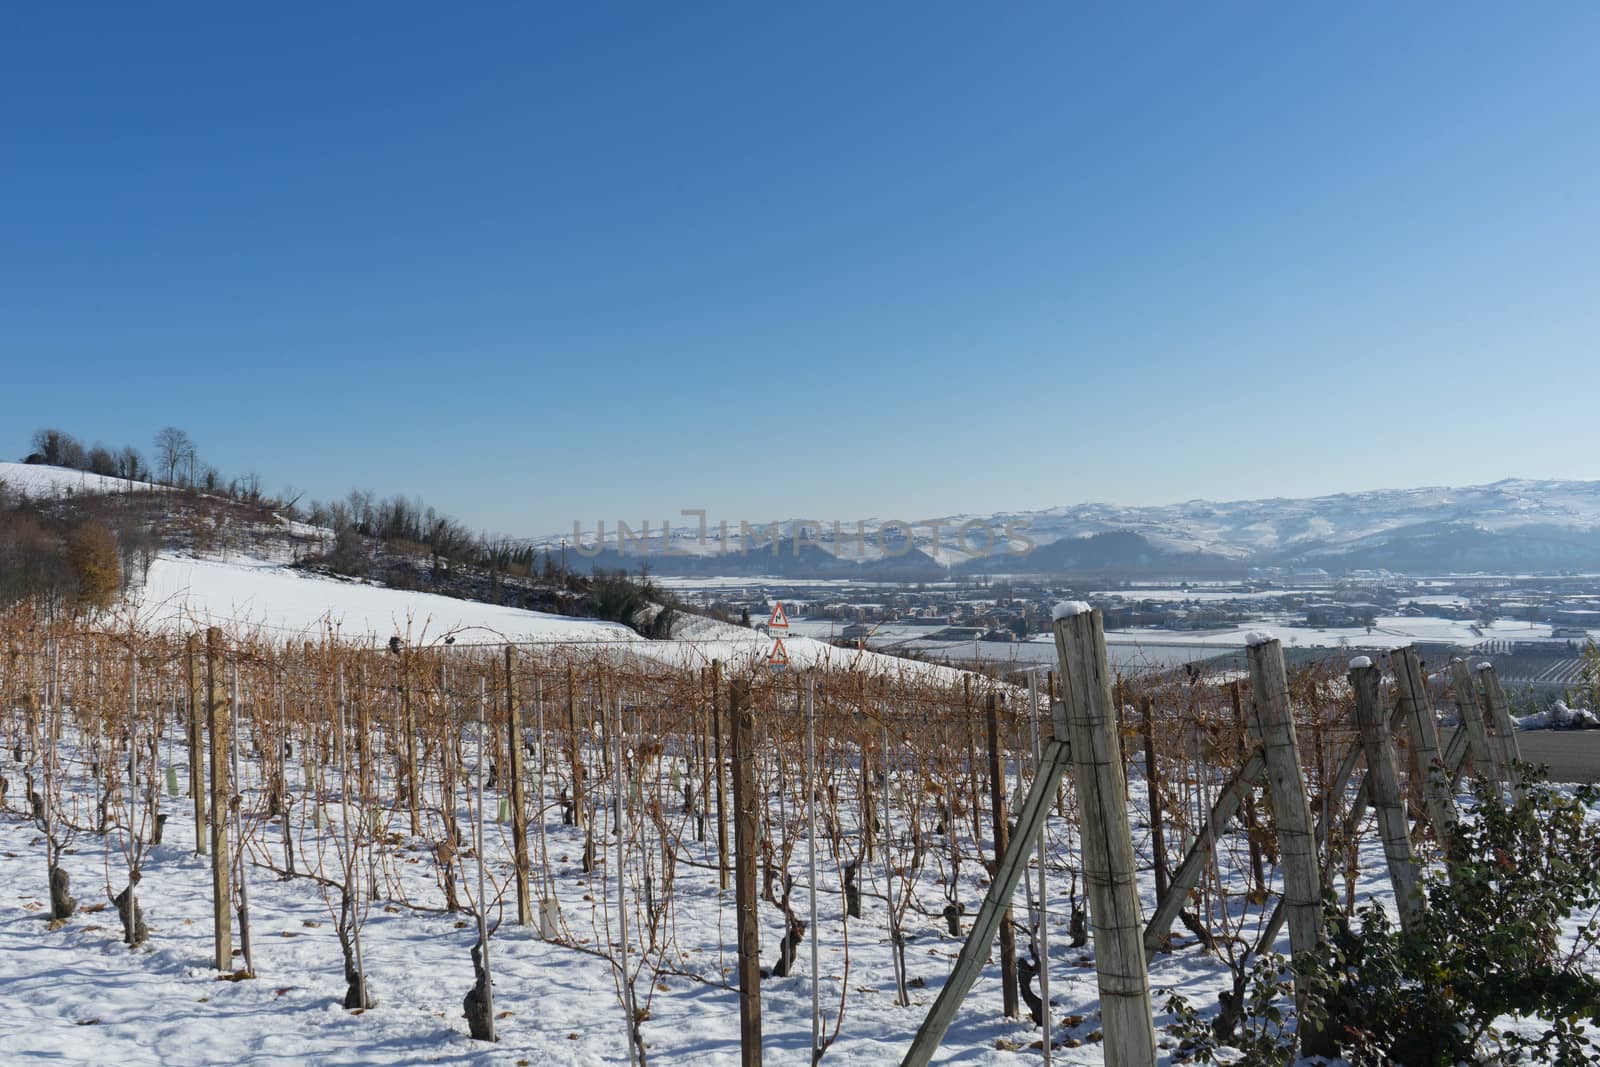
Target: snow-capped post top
column 1360, row 663
column 1258, row 637
column 1484, row 665
column 1068, row 608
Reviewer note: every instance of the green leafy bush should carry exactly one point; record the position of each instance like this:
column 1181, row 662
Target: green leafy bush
column 1489, row 946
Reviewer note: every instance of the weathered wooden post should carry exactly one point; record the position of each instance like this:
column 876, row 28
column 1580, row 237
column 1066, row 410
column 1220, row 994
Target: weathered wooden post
column 1108, row 861
column 1411, row 686
column 722, row 801
column 576, row 751
column 1297, row 848
column 221, row 872
column 1041, row 929
column 408, row 714
column 997, row 808
column 366, row 772
column 519, row 811
column 235, row 698
column 746, row 804
column 1384, row 788
column 811, row 865
column 197, row 742
column 1158, row 843
column 1494, row 697
column 1485, row 757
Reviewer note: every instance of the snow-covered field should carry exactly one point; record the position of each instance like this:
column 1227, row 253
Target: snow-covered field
column 185, row 592
column 34, row 480
column 78, row 994
column 282, row 603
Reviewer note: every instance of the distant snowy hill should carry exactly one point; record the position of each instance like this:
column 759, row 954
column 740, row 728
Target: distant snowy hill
column 36, row 481
column 1529, row 525
column 245, row 584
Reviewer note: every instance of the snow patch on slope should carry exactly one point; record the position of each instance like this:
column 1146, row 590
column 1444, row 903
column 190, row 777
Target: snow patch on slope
column 36, row 481
column 182, row 592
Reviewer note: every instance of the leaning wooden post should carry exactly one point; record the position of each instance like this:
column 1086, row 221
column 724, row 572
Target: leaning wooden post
column 519, row 812
column 1494, row 698
column 1411, row 686
column 197, row 743
column 1202, row 852
column 221, row 872
column 1384, row 788
column 1108, row 862
column 1297, row 848
column 746, row 803
column 997, row 808
column 1485, row 757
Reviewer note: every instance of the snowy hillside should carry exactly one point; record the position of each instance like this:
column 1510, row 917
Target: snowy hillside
column 38, row 482
column 284, row 603
column 256, row 594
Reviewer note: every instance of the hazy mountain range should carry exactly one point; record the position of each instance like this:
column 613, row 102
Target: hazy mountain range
column 1516, row 525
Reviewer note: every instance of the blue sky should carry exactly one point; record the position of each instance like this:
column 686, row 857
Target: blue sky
column 547, row 262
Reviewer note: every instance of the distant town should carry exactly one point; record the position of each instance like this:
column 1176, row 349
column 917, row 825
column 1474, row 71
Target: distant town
column 1534, row 628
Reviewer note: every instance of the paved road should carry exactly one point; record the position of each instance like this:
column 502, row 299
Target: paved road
column 1573, row 755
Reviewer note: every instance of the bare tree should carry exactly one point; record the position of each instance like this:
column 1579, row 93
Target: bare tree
column 174, row 449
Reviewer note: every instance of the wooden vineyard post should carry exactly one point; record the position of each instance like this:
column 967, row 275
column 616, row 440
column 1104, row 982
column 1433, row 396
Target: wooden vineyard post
column 1302, row 879
column 365, row 773
column 234, row 699
column 1084, row 725
column 1494, row 698
column 519, row 811
column 1108, row 860
column 722, row 800
column 1411, row 686
column 1384, row 789
column 408, row 715
column 221, row 873
column 1041, row 929
column 1485, row 757
column 197, row 743
column 1158, row 844
column 745, row 807
column 997, row 807
column 868, row 819
column 576, row 752
column 811, row 864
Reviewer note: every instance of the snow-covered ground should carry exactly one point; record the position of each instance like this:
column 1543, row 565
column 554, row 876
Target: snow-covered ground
column 283, row 603
column 1559, row 717
column 183, row 592
column 34, row 480
column 77, row 994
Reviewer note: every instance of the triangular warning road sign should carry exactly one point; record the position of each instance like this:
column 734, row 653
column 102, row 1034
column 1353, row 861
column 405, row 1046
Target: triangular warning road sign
column 778, row 658
column 779, row 620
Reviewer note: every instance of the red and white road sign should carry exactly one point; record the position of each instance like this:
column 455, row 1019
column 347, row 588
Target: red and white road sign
column 778, row 658
column 779, row 620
